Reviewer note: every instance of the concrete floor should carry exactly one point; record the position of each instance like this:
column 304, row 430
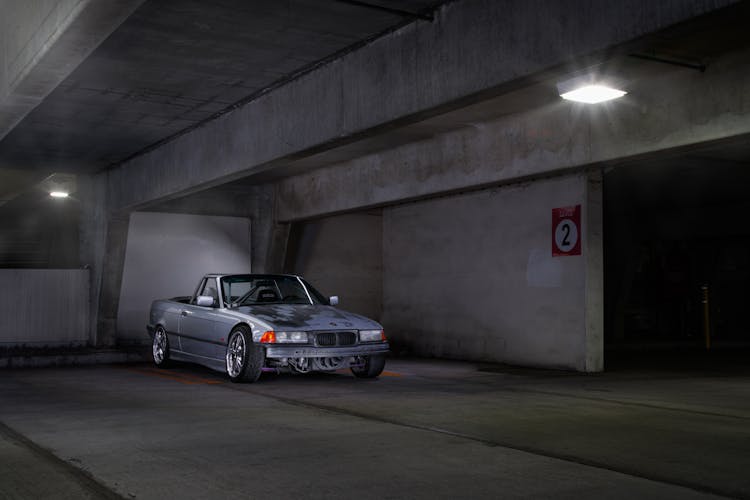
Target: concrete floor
column 426, row 429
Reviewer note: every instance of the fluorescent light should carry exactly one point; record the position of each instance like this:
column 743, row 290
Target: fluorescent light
column 59, row 185
column 592, row 94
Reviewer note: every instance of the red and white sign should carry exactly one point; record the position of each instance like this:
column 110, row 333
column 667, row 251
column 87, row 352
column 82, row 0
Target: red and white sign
column 566, row 231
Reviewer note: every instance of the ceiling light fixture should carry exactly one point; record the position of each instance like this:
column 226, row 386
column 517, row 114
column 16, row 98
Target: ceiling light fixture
column 588, row 90
column 59, row 185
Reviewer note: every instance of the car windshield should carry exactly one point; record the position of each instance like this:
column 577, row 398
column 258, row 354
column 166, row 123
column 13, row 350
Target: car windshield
column 248, row 290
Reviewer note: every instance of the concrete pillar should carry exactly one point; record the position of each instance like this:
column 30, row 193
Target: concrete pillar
column 113, row 261
column 268, row 238
column 277, row 237
column 593, row 224
column 342, row 255
column 103, row 237
column 93, row 230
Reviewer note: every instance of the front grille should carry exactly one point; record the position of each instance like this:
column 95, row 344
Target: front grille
column 327, row 339
column 347, row 338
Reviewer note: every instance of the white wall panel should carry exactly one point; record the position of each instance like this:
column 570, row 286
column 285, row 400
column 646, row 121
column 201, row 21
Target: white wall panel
column 167, row 254
column 44, row 307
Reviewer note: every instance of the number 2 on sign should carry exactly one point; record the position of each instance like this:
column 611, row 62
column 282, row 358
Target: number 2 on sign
column 566, row 235
column 566, row 230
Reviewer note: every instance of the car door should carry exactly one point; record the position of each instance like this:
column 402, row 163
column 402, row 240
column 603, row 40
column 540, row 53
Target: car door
column 197, row 323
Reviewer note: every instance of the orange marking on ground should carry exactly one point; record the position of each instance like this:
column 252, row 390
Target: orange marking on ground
column 188, row 376
column 345, row 371
column 177, row 377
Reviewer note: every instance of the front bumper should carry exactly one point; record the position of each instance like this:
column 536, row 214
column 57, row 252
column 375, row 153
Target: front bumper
column 305, row 351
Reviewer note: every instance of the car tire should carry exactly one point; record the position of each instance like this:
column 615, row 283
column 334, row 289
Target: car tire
column 160, row 348
column 373, row 366
column 244, row 359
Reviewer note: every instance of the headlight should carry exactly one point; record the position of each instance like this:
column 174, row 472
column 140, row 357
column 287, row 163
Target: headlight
column 371, row 335
column 291, row 337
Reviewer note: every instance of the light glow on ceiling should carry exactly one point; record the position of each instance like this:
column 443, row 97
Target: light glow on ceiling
column 58, row 194
column 593, row 94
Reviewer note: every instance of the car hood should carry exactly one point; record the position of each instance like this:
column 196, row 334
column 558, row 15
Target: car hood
column 308, row 317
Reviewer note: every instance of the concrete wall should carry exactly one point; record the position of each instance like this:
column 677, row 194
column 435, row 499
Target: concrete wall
column 342, row 256
column 46, row 237
column 167, row 254
column 257, row 202
column 44, row 307
column 472, row 277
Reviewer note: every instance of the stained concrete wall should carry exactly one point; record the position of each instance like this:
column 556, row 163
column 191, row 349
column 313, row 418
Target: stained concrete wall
column 167, row 254
column 473, row 277
column 342, row 256
column 43, row 238
column 44, row 307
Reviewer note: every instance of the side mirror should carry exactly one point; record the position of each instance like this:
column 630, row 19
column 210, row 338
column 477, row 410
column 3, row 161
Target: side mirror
column 204, row 300
column 334, row 300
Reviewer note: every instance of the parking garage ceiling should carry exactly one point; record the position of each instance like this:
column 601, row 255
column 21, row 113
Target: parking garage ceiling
column 174, row 64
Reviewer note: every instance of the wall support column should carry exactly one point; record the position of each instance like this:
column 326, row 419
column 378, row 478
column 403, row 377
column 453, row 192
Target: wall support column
column 111, row 278
column 103, row 237
column 278, row 243
column 93, row 230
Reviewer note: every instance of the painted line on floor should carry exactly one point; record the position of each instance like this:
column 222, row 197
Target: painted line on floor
column 687, row 484
column 638, row 404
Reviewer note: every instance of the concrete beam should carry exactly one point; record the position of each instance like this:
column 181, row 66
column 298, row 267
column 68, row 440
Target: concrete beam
column 472, row 48
column 42, row 42
column 681, row 108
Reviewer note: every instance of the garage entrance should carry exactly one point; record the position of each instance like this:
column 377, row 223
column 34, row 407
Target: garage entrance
column 676, row 233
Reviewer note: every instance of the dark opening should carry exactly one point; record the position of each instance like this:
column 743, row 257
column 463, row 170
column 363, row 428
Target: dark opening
column 670, row 229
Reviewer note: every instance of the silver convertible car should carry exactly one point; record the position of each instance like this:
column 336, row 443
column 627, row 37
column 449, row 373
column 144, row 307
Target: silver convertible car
column 245, row 324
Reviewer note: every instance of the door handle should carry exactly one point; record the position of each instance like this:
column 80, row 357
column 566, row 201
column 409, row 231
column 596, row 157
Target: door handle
column 185, row 313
